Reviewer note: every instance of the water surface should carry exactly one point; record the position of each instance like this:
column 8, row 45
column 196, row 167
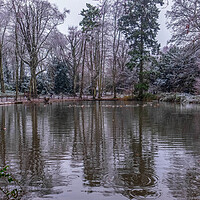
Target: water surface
column 103, row 150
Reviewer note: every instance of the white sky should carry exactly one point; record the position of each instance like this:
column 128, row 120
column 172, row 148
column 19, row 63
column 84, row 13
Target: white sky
column 75, row 7
column 164, row 34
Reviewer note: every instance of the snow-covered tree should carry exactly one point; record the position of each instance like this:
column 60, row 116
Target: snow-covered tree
column 4, row 20
column 184, row 20
column 36, row 20
column 139, row 24
column 178, row 70
column 62, row 79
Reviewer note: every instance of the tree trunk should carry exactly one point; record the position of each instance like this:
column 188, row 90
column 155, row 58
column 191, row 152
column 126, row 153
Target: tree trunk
column 114, row 88
column 114, row 71
column 74, row 70
column 92, row 74
column 17, row 78
column 1, row 71
column 141, row 73
column 17, row 64
column 74, row 84
column 33, row 85
column 83, row 67
column 141, row 80
column 95, row 90
column 21, row 78
column 97, row 65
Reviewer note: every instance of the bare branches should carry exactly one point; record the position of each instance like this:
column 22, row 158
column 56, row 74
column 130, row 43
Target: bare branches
column 36, row 20
column 184, row 20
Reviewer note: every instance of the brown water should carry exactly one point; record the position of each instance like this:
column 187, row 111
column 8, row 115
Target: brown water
column 103, row 150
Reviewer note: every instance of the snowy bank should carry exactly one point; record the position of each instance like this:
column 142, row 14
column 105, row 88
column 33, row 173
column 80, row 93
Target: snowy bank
column 179, row 98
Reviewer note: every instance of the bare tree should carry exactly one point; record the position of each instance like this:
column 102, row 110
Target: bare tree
column 184, row 20
column 36, row 20
column 84, row 45
column 91, row 27
column 104, row 10
column 4, row 20
column 116, row 12
column 75, row 48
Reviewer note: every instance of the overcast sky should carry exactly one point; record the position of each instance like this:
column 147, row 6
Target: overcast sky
column 75, row 6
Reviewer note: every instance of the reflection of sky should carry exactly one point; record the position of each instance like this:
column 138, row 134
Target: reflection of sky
column 75, row 6
column 162, row 165
column 172, row 163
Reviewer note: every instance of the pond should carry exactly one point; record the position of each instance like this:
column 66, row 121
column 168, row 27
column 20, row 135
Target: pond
column 103, row 150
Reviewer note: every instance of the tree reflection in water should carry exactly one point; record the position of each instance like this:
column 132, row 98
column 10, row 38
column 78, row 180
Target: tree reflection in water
column 114, row 149
column 2, row 137
column 110, row 160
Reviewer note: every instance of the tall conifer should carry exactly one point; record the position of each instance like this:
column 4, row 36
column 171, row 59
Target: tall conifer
column 139, row 24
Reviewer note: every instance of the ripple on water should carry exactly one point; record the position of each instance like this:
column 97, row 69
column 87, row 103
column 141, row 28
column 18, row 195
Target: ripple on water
column 137, row 179
column 134, row 185
column 144, row 194
column 131, row 179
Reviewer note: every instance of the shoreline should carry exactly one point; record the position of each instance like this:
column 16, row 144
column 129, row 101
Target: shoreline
column 45, row 100
column 163, row 97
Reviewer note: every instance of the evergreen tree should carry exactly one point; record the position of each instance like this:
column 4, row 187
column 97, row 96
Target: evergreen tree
column 140, row 27
column 178, row 70
column 63, row 81
column 90, row 19
column 44, row 84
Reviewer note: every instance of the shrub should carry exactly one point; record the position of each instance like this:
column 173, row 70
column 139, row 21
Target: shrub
column 11, row 188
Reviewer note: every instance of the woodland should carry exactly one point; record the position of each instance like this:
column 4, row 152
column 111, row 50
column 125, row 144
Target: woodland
column 114, row 51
